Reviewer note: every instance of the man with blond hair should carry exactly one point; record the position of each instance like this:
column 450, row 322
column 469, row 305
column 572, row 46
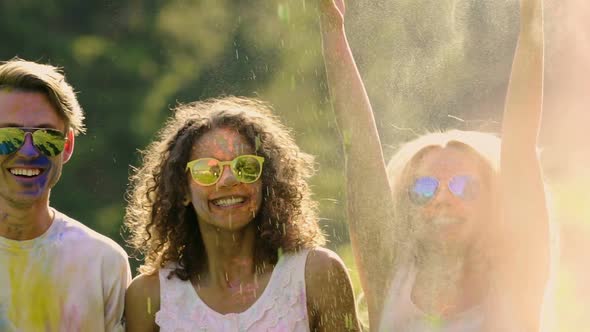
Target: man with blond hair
column 57, row 274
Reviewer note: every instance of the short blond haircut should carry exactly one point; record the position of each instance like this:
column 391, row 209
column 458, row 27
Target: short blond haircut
column 30, row 76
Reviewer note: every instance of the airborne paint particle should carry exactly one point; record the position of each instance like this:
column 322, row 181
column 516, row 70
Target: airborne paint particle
column 283, row 13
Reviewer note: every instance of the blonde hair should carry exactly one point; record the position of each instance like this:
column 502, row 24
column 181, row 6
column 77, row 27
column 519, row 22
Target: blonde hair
column 484, row 146
column 30, row 76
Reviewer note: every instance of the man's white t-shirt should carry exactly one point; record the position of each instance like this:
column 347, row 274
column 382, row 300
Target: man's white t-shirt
column 69, row 279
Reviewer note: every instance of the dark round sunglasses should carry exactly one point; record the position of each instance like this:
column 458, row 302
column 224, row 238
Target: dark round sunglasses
column 424, row 188
column 49, row 142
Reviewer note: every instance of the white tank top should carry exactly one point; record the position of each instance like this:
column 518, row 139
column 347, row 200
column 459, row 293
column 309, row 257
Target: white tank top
column 400, row 314
column 281, row 307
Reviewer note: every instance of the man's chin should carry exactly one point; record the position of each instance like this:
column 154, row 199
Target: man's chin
column 26, row 199
column 26, row 203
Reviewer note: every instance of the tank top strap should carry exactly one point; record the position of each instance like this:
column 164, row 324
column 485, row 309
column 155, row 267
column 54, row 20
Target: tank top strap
column 294, row 265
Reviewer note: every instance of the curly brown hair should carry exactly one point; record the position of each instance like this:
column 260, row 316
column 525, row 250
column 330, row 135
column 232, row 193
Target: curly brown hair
column 164, row 230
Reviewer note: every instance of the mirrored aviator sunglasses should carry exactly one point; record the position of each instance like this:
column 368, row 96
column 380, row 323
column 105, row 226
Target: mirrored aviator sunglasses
column 49, row 142
column 425, row 188
column 208, row 171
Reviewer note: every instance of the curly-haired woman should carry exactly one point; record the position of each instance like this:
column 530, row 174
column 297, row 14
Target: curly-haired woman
column 223, row 214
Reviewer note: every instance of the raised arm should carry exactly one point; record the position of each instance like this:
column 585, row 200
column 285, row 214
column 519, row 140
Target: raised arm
column 525, row 213
column 368, row 193
column 329, row 293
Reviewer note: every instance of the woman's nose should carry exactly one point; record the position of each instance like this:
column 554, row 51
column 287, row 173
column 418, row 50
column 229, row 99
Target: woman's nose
column 228, row 179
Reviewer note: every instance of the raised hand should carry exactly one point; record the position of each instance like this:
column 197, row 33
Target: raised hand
column 368, row 194
column 332, row 12
column 523, row 195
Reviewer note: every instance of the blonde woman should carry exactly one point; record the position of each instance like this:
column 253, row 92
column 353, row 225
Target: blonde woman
column 457, row 239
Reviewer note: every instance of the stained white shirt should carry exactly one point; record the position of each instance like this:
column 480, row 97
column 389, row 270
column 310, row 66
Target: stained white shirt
column 68, row 279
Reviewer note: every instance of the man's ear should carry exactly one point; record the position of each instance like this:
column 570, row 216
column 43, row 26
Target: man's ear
column 69, row 146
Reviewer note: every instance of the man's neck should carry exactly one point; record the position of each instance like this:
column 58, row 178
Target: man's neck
column 25, row 223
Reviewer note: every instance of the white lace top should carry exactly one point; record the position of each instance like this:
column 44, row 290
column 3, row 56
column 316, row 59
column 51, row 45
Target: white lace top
column 281, row 307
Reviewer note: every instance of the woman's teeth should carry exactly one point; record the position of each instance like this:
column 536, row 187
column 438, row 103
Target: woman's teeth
column 228, row 201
